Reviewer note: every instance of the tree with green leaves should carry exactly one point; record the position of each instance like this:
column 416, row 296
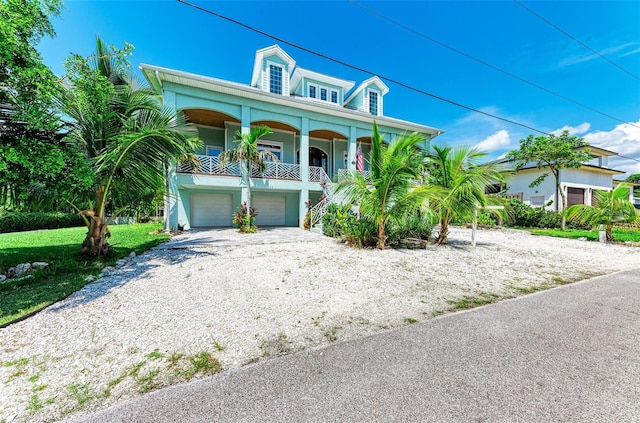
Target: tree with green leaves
column 635, row 179
column 249, row 156
column 125, row 133
column 553, row 153
column 464, row 179
column 609, row 207
column 37, row 166
column 390, row 194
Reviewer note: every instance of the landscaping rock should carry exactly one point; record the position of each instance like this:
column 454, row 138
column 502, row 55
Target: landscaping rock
column 39, row 264
column 132, row 255
column 107, row 271
column 582, row 238
column 21, row 269
column 11, row 272
column 2, row 278
column 90, row 279
column 121, row 262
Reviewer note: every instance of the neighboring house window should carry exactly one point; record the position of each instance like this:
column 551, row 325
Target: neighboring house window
column 334, row 96
column 275, row 79
column 213, row 151
column 373, row 102
column 312, row 91
column 536, row 200
column 323, row 94
column 274, row 148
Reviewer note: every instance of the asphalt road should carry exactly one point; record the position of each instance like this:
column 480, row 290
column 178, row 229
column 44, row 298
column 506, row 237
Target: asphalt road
column 570, row 354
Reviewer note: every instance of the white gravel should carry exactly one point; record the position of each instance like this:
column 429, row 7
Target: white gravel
column 244, row 298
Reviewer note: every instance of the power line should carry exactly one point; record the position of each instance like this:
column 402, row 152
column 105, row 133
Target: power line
column 482, row 62
column 338, row 61
column 543, row 19
column 360, row 69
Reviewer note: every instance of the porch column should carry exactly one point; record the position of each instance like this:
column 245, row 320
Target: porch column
column 245, row 128
column 304, row 170
column 351, row 150
column 171, row 194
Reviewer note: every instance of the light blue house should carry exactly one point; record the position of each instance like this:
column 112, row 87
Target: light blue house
column 319, row 122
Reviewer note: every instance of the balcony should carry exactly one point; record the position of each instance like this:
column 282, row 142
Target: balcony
column 210, row 165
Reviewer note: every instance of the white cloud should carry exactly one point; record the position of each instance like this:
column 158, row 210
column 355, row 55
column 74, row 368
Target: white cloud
column 586, row 57
column 496, row 141
column 573, row 130
column 624, row 139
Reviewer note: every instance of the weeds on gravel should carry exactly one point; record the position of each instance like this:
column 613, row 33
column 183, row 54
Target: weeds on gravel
column 468, row 302
column 276, row 346
column 410, row 320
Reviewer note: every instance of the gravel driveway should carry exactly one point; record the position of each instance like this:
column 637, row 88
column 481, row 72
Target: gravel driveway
column 244, row 298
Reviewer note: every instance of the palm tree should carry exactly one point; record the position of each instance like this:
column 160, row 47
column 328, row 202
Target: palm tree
column 124, row 133
column 459, row 173
column 391, row 193
column 248, row 155
column 610, row 207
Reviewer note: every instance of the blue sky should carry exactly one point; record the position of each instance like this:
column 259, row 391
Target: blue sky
column 174, row 35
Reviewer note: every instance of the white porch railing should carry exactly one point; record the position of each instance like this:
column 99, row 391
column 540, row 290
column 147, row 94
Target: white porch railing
column 344, row 173
column 211, row 165
column 277, row 170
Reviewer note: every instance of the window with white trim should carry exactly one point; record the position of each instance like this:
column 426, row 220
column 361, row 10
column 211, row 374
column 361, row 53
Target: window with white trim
column 213, row 151
column 536, row 200
column 323, row 94
column 334, row 96
column 373, row 102
column 274, row 147
column 313, row 91
column 275, row 79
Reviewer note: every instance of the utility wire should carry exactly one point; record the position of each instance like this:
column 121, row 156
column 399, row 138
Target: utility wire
column 360, row 69
column 543, row 19
column 402, row 84
column 482, row 62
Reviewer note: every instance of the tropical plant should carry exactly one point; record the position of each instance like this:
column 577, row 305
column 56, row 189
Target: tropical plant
column 248, row 155
column 125, row 134
column 459, row 173
column 245, row 219
column 610, row 207
column 391, row 193
column 554, row 153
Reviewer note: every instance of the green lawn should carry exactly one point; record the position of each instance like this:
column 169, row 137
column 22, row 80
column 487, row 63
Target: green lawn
column 67, row 269
column 618, row 234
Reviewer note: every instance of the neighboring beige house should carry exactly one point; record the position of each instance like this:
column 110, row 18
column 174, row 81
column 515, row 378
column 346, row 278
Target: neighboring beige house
column 578, row 184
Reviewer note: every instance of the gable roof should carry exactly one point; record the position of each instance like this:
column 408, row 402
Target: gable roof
column 266, row 52
column 373, row 80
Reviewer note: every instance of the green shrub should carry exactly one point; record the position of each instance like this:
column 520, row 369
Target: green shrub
column 19, row 221
column 414, row 226
column 336, row 220
column 361, row 233
column 521, row 214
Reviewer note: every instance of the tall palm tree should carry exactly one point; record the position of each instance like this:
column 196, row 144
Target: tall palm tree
column 464, row 179
column 610, row 207
column 125, row 134
column 248, row 155
column 391, row 193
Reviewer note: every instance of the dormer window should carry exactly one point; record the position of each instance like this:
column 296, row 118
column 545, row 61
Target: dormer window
column 373, row 102
column 312, row 91
column 275, row 79
column 334, row 96
column 323, row 94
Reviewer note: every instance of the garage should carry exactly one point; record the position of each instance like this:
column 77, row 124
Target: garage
column 270, row 208
column 209, row 210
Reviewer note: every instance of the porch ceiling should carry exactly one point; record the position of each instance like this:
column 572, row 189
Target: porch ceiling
column 276, row 125
column 208, row 117
column 326, row 134
column 366, row 140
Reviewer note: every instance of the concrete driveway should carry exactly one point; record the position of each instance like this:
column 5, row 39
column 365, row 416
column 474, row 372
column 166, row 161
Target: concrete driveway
column 571, row 354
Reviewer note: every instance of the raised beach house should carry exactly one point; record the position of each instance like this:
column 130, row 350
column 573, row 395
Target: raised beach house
column 319, row 122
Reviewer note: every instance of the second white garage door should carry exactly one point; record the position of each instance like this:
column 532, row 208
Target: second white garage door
column 210, row 210
column 270, row 209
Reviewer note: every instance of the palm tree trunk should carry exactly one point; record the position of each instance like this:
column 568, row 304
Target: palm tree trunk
column 444, row 232
column 382, row 237
column 95, row 243
column 608, row 233
column 248, row 218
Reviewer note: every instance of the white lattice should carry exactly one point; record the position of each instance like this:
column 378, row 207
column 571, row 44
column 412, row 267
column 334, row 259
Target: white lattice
column 276, row 170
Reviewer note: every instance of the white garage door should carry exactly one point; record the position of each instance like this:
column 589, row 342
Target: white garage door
column 270, row 209
column 210, row 210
